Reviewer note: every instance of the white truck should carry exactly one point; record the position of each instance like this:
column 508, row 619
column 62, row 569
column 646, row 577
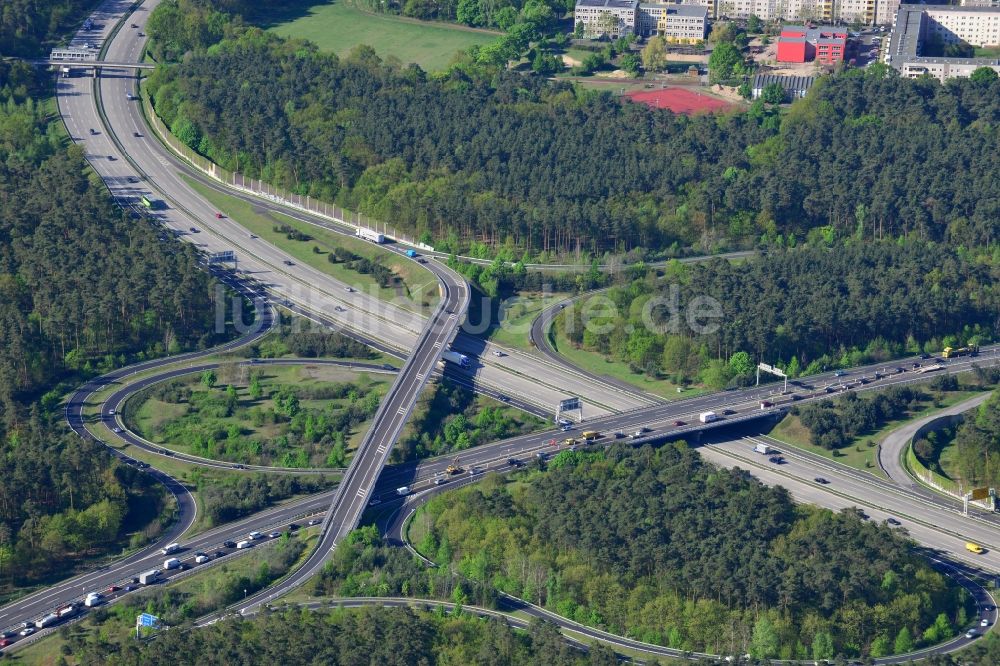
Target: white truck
column 171, row 563
column 461, row 360
column 47, row 621
column 170, row 548
column 708, row 417
column 763, row 449
column 148, row 577
column 403, row 491
column 370, row 235
column 93, row 599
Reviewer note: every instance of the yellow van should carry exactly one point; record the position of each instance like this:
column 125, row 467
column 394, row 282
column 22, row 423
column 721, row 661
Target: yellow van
column 591, row 435
column 974, row 548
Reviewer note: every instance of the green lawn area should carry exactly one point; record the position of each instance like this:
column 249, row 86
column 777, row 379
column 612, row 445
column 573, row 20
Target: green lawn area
column 339, row 27
column 986, row 52
column 187, row 415
column 598, row 364
column 419, row 288
column 862, row 452
column 515, row 320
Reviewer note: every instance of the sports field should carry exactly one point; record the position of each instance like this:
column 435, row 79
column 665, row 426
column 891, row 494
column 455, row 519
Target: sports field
column 679, row 100
column 339, row 27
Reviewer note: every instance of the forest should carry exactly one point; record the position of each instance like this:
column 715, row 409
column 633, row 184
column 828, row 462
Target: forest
column 656, row 544
column 977, row 445
column 482, row 154
column 449, row 418
column 350, row 637
column 806, row 309
column 833, row 424
column 83, row 289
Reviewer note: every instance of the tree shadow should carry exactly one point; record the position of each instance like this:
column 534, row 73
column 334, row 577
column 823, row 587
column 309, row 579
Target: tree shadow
column 269, row 14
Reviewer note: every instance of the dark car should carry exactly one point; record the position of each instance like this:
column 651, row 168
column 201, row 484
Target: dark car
column 111, row 158
column 820, row 480
column 777, row 460
column 925, row 356
column 229, row 544
column 288, row 262
column 513, row 462
column 892, row 521
column 679, row 423
column 293, row 526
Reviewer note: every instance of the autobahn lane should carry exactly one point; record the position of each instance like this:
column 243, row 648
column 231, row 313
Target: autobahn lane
column 354, row 491
column 516, row 372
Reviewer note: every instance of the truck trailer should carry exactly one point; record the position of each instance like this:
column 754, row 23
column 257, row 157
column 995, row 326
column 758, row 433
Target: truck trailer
column 708, row 417
column 149, row 577
column 764, row 449
column 460, row 360
column 370, row 235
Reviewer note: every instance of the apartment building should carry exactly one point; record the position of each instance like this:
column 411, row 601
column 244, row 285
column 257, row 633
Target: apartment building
column 918, row 25
column 866, row 12
column 825, row 44
column 682, row 24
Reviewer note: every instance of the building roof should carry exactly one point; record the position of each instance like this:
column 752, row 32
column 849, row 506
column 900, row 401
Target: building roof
column 789, row 83
column 906, row 38
column 823, row 34
column 609, row 4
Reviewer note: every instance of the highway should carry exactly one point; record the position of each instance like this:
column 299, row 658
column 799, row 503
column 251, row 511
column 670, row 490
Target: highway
column 141, row 160
column 537, row 381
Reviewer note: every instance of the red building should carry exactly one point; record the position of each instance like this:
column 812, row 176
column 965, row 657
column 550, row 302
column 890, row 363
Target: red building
column 799, row 43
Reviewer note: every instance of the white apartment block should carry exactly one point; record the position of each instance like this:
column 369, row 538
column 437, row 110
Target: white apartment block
column 684, row 24
column 867, row 12
column 917, row 24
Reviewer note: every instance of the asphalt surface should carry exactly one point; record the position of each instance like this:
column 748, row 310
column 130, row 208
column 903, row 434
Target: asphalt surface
column 145, row 161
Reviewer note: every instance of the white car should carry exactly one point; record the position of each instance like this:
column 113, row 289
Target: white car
column 27, row 631
column 116, row 430
column 111, row 412
column 253, row 535
column 984, row 623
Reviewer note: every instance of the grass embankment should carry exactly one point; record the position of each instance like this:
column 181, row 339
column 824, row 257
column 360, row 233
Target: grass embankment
column 197, row 594
column 598, row 364
column 339, row 27
column 514, row 325
column 255, row 422
column 417, row 290
column 862, row 452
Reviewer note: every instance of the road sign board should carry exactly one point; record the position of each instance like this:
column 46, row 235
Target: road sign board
column 569, row 404
column 147, row 620
column 980, row 493
column 227, row 256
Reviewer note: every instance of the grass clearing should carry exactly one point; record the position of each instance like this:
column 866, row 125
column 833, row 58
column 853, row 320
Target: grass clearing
column 286, row 416
column 862, row 452
column 339, row 27
column 514, row 325
column 418, row 289
column 597, row 364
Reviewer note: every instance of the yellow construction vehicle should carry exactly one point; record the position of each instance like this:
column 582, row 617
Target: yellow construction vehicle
column 454, row 467
column 949, row 352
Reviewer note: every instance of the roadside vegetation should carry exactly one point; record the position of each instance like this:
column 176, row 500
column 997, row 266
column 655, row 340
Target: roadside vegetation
column 964, row 452
column 282, row 416
column 817, row 307
column 656, row 544
column 343, row 637
column 850, row 427
column 83, row 289
column 110, row 630
column 449, row 419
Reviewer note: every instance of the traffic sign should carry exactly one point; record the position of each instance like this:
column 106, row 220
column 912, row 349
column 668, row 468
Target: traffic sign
column 147, row 620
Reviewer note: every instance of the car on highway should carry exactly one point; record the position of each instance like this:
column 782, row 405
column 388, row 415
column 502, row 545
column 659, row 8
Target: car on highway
column 288, row 262
column 984, row 622
column 971, row 633
column 513, row 462
column 777, row 460
column 8, row 634
column 218, row 216
column 111, row 412
column 293, row 526
column 820, row 480
column 193, row 230
column 338, row 308
column 137, row 135
column 374, row 501
column 130, row 588
column 678, row 423
column 27, row 631
column 254, row 535
column 566, row 428
column 438, row 480
column 893, row 522
column 93, row 132
column 314, row 521
column 112, row 158
column 252, row 236
column 273, row 535
column 497, row 353
column 200, row 558
column 349, row 290
column 116, row 429
column 502, row 397
column 840, row 373
column 229, row 544
column 113, row 588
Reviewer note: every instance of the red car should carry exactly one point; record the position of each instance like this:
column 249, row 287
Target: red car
column 218, row 216
column 679, row 423
column 114, row 588
column 4, row 642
